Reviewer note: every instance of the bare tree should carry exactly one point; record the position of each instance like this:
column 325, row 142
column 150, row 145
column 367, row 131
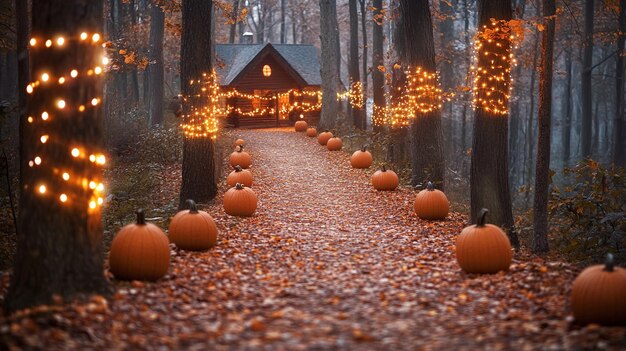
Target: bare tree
column 378, row 60
column 329, row 37
column 358, row 114
column 542, row 177
column 619, row 124
column 587, row 103
column 157, row 32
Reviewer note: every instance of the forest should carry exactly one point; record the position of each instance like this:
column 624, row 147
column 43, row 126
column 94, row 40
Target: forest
column 299, row 174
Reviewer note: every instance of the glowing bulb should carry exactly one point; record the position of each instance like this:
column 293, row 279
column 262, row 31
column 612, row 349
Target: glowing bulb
column 75, row 152
column 29, row 89
column 92, row 185
column 37, row 160
column 61, row 104
column 81, row 108
column 97, row 70
column 83, row 36
column 48, row 43
column 95, row 38
column 92, row 158
column 100, row 201
column 30, row 119
column 100, row 187
column 43, row 139
column 74, row 73
column 101, row 159
column 42, row 189
column 45, row 77
column 94, row 101
column 44, row 116
column 61, row 80
column 31, row 163
column 33, row 42
column 66, row 176
column 63, row 197
column 92, row 205
column 60, row 41
column 105, row 60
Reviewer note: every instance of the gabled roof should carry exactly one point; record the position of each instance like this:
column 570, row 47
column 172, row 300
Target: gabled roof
column 232, row 59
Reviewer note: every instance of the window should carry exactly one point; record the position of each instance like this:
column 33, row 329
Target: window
column 267, row 71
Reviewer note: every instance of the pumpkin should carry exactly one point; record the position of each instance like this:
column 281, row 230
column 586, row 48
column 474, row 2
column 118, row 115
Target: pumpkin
column 599, row 294
column 139, row 251
column 239, row 175
column 193, row 230
column 483, row 248
column 240, row 158
column 300, row 126
column 240, row 201
column 385, row 179
column 334, row 144
column 324, row 137
column 239, row 142
column 361, row 158
column 431, row 203
column 311, row 132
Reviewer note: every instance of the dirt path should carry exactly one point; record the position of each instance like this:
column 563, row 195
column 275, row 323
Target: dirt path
column 326, row 263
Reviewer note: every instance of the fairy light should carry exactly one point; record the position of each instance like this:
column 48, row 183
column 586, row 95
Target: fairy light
column 45, row 116
column 29, row 89
column 201, row 120
column 75, row 152
column 66, row 176
column 45, row 77
column 43, row 139
column 61, row 104
column 83, row 36
column 60, row 41
column 63, row 197
column 37, row 160
column 33, row 42
column 492, row 68
column 42, row 189
column 48, row 43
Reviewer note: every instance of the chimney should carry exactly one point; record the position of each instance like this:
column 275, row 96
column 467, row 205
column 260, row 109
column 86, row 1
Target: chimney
column 247, row 38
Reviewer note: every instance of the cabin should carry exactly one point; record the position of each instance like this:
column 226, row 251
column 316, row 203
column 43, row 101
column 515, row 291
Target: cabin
column 268, row 85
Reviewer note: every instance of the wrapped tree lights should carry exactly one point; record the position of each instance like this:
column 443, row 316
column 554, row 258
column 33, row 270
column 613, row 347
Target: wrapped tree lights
column 201, row 119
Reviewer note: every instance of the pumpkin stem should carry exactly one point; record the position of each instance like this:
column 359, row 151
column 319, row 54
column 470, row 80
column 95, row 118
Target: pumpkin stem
column 384, row 169
column 192, row 206
column 326, row 131
column 430, row 186
column 240, row 149
column 238, row 168
column 480, row 221
column 609, row 263
column 363, row 148
column 239, row 186
column 141, row 217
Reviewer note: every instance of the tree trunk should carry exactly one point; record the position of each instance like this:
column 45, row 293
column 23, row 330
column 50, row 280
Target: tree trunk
column 157, row 31
column 489, row 181
column 587, row 108
column 60, row 253
column 134, row 79
column 358, row 114
column 542, row 176
column 363, row 10
column 619, row 121
column 23, row 78
column 530, row 128
column 198, row 174
column 566, row 131
column 283, row 31
column 416, row 48
column 329, row 47
column 234, row 15
column 378, row 77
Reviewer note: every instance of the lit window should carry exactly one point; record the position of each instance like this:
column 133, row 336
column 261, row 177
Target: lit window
column 267, row 71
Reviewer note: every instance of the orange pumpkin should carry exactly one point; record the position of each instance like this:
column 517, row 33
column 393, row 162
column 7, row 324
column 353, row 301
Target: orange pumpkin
column 239, row 175
column 139, row 251
column 300, row 126
column 385, row 179
column 599, row 294
column 193, row 230
column 431, row 204
column 361, row 158
column 334, row 144
column 311, row 132
column 483, row 248
column 240, row 201
column 324, row 137
column 240, row 158
column 238, row 142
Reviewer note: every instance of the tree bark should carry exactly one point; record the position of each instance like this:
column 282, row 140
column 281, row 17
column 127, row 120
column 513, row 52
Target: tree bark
column 198, row 173
column 530, row 128
column 329, row 46
column 619, row 121
column 234, row 15
column 489, row 180
column 23, row 77
column 363, row 11
column 358, row 114
column 415, row 47
column 566, row 131
column 60, row 253
column 283, row 30
column 157, row 32
column 587, row 107
column 378, row 77
column 542, row 176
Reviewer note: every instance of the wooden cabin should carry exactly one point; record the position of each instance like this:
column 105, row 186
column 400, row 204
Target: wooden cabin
column 268, row 85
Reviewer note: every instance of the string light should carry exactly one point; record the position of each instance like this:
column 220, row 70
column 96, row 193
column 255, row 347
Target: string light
column 492, row 69
column 201, row 121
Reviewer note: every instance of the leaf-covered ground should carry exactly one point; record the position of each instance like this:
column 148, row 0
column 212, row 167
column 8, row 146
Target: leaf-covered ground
column 326, row 263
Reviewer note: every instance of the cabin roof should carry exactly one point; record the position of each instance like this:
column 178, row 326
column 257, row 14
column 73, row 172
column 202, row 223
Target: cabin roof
column 232, row 60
